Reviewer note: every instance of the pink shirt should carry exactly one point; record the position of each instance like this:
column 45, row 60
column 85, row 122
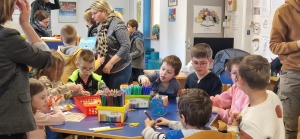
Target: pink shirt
column 43, row 120
column 233, row 98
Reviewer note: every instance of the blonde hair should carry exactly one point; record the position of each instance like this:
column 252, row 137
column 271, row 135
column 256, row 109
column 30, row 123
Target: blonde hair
column 103, row 6
column 57, row 63
column 88, row 17
column 68, row 33
column 6, row 10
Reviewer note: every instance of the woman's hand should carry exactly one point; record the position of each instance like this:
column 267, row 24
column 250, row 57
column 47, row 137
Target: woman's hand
column 24, row 9
column 107, row 68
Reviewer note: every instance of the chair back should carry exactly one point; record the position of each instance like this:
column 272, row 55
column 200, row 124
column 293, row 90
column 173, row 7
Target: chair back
column 225, row 87
column 212, row 134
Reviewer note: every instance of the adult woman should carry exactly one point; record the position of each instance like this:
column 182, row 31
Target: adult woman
column 90, row 23
column 40, row 24
column 16, row 116
column 113, row 42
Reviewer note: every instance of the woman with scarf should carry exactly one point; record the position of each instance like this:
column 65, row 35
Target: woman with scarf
column 40, row 24
column 112, row 42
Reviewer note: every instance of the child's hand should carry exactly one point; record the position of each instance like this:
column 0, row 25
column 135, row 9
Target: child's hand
column 74, row 87
column 234, row 119
column 99, row 92
column 215, row 109
column 145, row 81
column 102, row 59
column 149, row 123
column 52, row 100
column 85, row 93
column 162, row 121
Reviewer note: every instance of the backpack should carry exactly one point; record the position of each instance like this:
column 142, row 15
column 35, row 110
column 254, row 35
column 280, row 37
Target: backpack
column 275, row 66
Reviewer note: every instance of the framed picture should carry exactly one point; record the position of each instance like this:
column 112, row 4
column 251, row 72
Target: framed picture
column 172, row 3
column 68, row 11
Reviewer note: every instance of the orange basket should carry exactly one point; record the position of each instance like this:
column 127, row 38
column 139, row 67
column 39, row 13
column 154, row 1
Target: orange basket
column 87, row 110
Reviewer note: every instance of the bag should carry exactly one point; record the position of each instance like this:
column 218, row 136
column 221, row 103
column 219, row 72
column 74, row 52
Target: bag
column 5, row 85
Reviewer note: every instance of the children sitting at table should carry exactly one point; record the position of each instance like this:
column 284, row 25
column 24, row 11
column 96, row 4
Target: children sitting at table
column 51, row 78
column 39, row 102
column 262, row 118
column 202, row 78
column 70, row 52
column 194, row 111
column 234, row 99
column 164, row 81
column 85, row 76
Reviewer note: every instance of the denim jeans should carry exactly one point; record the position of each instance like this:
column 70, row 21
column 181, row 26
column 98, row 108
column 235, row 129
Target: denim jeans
column 14, row 136
column 114, row 80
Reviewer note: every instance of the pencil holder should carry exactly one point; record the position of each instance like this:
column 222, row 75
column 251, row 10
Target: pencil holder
column 159, row 105
column 113, row 114
column 146, row 90
column 138, row 101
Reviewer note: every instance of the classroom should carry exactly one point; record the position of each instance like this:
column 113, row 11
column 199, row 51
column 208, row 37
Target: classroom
column 143, row 69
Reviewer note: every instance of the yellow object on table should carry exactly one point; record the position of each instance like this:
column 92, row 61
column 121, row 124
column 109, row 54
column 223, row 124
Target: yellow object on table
column 107, row 129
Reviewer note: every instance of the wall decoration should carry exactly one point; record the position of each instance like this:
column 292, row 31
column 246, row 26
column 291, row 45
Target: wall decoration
column 256, row 10
column 172, row 3
column 172, row 15
column 256, row 28
column 265, row 26
column 139, row 11
column 207, row 19
column 120, row 10
column 265, row 7
column 231, row 5
column 256, row 3
column 265, row 43
column 255, row 44
column 68, row 11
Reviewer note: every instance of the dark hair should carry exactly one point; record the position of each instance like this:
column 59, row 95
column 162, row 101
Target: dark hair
column 235, row 60
column 87, row 56
column 35, row 87
column 40, row 15
column 174, row 61
column 202, row 50
column 196, row 106
column 133, row 23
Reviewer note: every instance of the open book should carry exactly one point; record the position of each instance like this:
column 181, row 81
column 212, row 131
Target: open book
column 88, row 43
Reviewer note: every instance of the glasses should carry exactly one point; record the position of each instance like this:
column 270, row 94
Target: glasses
column 236, row 75
column 45, row 22
column 87, row 69
column 201, row 64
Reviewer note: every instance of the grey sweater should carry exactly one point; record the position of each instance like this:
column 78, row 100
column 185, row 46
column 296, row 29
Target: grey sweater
column 16, row 114
column 137, row 51
column 118, row 43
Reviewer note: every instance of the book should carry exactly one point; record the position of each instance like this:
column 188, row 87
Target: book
column 88, row 43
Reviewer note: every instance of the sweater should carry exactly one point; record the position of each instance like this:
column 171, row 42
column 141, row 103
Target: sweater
column 43, row 120
column 17, row 53
column 262, row 121
column 92, row 31
column 178, row 132
column 137, row 51
column 284, row 35
column 118, row 43
column 211, row 83
column 233, row 100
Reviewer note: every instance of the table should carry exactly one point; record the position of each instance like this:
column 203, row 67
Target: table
column 138, row 115
column 181, row 77
column 272, row 83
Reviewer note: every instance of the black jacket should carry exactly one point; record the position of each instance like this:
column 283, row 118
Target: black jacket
column 40, row 5
column 92, row 31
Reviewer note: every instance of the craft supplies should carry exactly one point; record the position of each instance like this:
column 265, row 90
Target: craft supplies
column 159, row 105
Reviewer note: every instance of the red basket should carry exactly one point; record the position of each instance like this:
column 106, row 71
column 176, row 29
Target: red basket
column 88, row 111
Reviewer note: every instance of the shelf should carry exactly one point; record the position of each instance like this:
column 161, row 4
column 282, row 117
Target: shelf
column 151, row 39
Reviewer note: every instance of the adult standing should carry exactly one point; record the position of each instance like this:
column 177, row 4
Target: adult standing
column 285, row 42
column 16, row 116
column 112, row 42
column 44, row 5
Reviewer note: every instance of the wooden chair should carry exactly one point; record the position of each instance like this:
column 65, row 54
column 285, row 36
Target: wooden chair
column 298, row 135
column 212, row 134
column 225, row 87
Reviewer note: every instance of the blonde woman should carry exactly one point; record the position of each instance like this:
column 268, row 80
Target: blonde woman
column 112, row 42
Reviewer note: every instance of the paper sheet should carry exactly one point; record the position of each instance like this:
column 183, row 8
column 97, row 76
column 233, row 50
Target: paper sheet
column 265, row 8
column 74, row 117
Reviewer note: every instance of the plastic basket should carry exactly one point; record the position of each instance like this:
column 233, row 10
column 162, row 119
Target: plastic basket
column 113, row 114
column 138, row 101
column 88, row 111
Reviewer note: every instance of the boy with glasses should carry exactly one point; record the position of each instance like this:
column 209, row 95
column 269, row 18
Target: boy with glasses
column 202, row 78
column 84, row 75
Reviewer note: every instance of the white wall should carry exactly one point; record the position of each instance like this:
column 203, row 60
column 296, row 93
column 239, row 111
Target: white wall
column 173, row 34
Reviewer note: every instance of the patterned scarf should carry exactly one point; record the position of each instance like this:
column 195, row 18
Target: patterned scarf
column 101, row 44
column 42, row 29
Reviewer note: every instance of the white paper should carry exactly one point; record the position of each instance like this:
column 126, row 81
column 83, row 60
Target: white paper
column 265, row 26
column 235, row 21
column 275, row 4
column 265, row 7
column 207, row 19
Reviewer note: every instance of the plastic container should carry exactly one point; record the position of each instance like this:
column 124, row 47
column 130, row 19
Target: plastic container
column 113, row 114
column 87, row 110
column 154, row 55
column 138, row 101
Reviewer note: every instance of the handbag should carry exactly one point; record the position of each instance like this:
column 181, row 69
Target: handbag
column 5, row 85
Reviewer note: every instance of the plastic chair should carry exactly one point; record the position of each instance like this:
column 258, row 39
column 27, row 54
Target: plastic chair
column 212, row 134
column 225, row 87
column 225, row 77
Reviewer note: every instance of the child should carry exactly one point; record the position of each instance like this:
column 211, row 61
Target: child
column 164, row 81
column 70, row 51
column 51, row 78
column 90, row 23
column 194, row 111
column 85, row 76
column 262, row 118
column 39, row 102
column 234, row 98
column 202, row 78
column 137, row 51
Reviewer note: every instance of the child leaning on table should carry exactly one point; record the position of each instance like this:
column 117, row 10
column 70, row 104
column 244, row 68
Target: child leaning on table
column 164, row 81
column 51, row 78
column 194, row 111
column 39, row 102
column 234, row 99
column 262, row 118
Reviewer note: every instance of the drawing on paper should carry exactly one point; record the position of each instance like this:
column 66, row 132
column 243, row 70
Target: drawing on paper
column 207, row 17
column 255, row 44
column 120, row 10
column 265, row 24
column 138, row 11
column 67, row 12
column 256, row 2
column 172, row 15
column 231, row 5
column 256, row 10
column 256, row 28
